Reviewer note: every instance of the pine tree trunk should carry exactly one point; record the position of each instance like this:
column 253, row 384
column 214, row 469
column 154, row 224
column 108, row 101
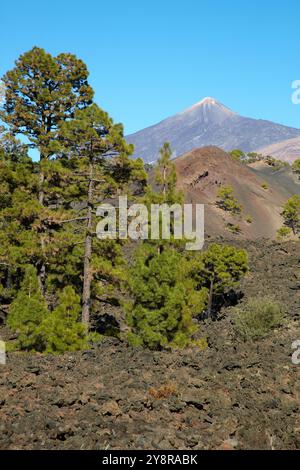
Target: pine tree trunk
column 8, row 278
column 210, row 299
column 42, row 269
column 41, row 197
column 164, row 180
column 41, row 187
column 87, row 275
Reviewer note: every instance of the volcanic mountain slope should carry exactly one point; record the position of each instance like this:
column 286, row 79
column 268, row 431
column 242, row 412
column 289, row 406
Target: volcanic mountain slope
column 283, row 178
column 208, row 123
column 202, row 172
column 287, row 150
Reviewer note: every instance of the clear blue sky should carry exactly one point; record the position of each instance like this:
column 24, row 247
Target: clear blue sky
column 149, row 59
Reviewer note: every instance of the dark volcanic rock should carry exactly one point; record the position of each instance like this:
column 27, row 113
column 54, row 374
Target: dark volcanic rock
column 233, row 395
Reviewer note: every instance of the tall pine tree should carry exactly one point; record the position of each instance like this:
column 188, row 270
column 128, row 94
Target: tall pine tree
column 106, row 171
column 40, row 92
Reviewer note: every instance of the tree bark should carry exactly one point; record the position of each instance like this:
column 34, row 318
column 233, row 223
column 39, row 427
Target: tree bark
column 8, row 279
column 164, row 180
column 210, row 298
column 41, row 198
column 41, row 187
column 87, row 275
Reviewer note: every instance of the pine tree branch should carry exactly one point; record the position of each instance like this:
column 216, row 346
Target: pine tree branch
column 72, row 220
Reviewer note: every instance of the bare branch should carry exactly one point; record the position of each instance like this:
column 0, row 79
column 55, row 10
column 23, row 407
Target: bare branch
column 72, row 220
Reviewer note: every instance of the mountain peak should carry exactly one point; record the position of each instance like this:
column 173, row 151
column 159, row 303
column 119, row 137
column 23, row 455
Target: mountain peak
column 208, row 122
column 207, row 111
column 209, row 103
column 207, row 100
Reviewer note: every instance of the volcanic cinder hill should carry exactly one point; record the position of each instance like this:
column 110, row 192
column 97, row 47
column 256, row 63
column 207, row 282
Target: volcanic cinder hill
column 208, row 123
column 203, row 171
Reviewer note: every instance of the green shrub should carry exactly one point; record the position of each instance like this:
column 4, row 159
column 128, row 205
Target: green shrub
column 164, row 300
column 276, row 164
column 41, row 330
column 227, row 201
column 237, row 155
column 27, row 312
column 291, row 213
column 283, row 232
column 95, row 338
column 296, row 166
column 61, row 330
column 219, row 270
column 257, row 317
column 234, row 228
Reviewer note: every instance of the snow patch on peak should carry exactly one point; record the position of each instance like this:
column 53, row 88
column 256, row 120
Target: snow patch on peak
column 209, row 105
column 207, row 100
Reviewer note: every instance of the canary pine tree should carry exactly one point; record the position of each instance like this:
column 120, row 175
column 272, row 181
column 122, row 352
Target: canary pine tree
column 296, row 167
column 40, row 92
column 165, row 172
column 27, row 312
column 22, row 218
column 38, row 328
column 163, row 190
column 105, row 171
column 291, row 213
column 164, row 299
column 61, row 330
column 19, row 243
column 227, row 201
column 218, row 269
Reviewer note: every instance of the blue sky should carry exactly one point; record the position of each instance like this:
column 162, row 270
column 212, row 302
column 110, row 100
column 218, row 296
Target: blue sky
column 151, row 59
